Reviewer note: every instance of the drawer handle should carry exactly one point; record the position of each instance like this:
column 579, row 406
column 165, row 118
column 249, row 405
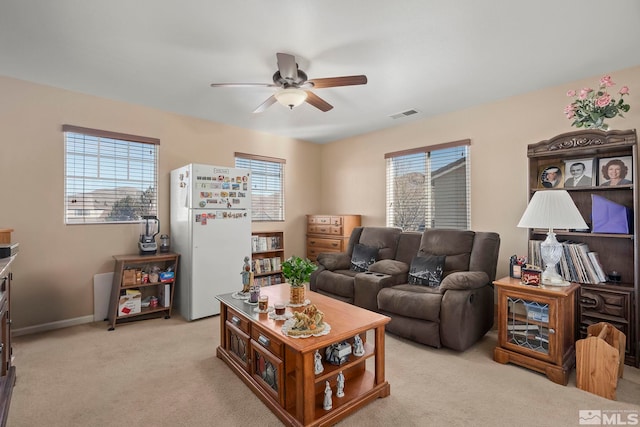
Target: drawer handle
column 552, row 331
column 323, row 230
column 335, row 245
column 235, row 320
column 312, row 242
column 264, row 340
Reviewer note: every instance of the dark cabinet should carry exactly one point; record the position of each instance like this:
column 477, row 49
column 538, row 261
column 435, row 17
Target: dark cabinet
column 612, row 304
column 7, row 370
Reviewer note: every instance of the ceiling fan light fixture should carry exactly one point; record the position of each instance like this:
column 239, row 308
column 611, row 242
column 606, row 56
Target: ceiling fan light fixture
column 291, row 97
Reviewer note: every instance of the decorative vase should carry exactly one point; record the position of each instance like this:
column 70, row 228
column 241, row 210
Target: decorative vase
column 598, row 125
column 296, row 295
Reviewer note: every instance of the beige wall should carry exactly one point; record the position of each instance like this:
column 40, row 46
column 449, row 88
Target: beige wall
column 53, row 275
column 353, row 170
column 54, row 272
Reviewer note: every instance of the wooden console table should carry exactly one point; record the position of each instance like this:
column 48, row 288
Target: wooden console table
column 280, row 369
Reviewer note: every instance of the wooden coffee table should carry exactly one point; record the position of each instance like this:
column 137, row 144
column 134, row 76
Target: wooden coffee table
column 280, row 369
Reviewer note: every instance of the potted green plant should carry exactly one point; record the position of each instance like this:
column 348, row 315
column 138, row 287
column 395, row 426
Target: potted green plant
column 297, row 272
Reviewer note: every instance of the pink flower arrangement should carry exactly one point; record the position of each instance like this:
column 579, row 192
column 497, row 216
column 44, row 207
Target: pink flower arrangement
column 591, row 107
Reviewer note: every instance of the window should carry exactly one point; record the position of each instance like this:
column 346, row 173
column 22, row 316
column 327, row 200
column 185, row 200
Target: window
column 109, row 177
column 267, row 186
column 428, row 187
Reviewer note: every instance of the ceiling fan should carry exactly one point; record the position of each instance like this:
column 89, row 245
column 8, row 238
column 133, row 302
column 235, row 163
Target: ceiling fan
column 295, row 85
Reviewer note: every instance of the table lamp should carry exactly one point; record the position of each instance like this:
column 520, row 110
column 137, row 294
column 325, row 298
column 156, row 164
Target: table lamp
column 552, row 209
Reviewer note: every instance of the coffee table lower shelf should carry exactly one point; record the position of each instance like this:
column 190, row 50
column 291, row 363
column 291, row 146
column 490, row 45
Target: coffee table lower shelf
column 293, row 392
column 361, row 391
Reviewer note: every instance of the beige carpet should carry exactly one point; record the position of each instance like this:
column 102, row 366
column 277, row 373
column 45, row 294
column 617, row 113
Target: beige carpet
column 164, row 373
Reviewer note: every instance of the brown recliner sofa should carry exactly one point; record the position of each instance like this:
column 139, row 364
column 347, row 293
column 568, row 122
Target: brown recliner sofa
column 334, row 277
column 459, row 311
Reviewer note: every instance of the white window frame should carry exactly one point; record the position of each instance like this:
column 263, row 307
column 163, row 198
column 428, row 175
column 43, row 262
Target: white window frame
column 103, row 168
column 267, row 186
column 429, row 187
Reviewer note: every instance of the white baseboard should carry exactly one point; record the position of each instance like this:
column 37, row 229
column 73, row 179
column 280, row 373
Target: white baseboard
column 52, row 325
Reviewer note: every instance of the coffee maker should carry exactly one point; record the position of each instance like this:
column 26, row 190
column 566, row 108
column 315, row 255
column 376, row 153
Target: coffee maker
column 150, row 227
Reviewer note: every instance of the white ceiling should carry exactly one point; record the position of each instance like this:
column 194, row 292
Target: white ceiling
column 433, row 56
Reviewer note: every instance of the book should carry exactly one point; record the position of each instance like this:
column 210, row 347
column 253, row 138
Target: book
column 592, row 276
column 571, row 273
column 597, row 265
column 262, row 243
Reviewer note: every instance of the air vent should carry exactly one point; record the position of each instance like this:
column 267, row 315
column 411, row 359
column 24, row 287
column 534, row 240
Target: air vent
column 403, row 114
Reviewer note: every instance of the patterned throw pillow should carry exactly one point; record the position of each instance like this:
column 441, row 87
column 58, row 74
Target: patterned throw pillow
column 362, row 257
column 427, row 270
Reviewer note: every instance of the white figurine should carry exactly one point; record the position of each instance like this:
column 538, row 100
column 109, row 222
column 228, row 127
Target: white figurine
column 318, row 365
column 358, row 346
column 328, row 404
column 340, row 381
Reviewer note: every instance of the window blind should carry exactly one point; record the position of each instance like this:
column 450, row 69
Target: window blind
column 428, row 187
column 109, row 177
column 267, row 186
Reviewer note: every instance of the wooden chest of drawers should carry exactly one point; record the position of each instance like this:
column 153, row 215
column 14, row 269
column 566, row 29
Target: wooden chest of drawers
column 329, row 233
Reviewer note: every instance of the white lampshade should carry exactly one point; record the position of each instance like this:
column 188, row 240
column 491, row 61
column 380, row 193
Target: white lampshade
column 552, row 209
column 291, row 97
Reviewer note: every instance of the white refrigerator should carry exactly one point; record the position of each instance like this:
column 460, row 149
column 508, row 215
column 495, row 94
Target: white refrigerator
column 211, row 230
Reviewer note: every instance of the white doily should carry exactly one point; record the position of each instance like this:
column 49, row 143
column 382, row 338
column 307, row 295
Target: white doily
column 240, row 295
column 305, row 303
column 285, row 316
column 268, row 310
column 289, row 323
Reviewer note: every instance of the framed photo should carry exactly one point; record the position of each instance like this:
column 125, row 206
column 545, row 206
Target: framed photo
column 551, row 175
column 615, row 171
column 579, row 173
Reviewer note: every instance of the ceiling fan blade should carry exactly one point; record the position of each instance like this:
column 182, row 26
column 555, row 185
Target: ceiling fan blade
column 339, row 81
column 243, row 85
column 266, row 104
column 318, row 102
column 287, row 66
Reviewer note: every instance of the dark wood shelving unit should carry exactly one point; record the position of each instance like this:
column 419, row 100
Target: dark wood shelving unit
column 617, row 303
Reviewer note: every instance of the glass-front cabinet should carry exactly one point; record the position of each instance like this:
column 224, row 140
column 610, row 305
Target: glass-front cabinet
column 528, row 325
column 536, row 327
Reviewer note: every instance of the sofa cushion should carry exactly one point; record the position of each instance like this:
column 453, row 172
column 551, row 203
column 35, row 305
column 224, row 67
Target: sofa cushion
column 414, row 301
column 408, row 246
column 464, row 280
column 334, row 260
column 339, row 282
column 383, row 238
column 455, row 244
column 426, row 270
column 363, row 256
column 389, row 266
